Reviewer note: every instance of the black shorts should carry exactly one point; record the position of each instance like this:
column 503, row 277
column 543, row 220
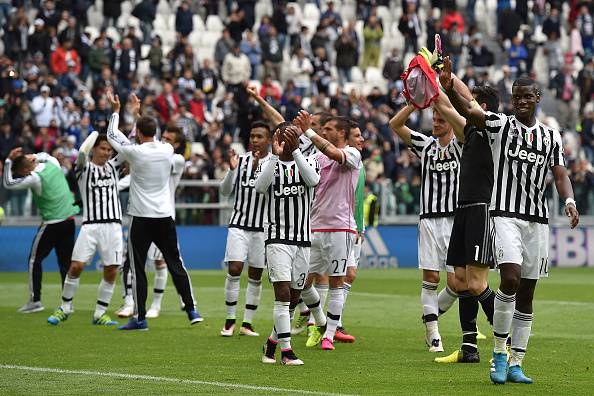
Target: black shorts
column 470, row 242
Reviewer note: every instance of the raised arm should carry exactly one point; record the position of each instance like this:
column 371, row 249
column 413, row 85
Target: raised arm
column 270, row 112
column 474, row 114
column 85, row 149
column 229, row 180
column 310, row 173
column 443, row 105
column 45, row 157
column 115, row 137
column 22, row 183
column 397, row 123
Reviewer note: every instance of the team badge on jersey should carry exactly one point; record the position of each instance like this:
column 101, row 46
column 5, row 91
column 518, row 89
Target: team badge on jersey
column 529, row 137
column 546, row 140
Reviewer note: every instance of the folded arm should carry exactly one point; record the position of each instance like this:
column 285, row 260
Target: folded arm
column 264, row 180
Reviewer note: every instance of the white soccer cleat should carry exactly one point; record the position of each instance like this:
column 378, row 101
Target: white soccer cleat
column 435, row 345
column 153, row 313
column 31, row 307
column 268, row 360
column 228, row 331
column 248, row 331
column 125, row 311
column 289, row 359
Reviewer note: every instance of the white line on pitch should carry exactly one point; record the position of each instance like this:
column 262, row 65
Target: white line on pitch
column 164, row 379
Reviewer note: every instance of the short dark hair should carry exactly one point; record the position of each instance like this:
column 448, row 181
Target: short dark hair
column 281, row 127
column 525, row 81
column 352, row 126
column 101, row 138
column 342, row 123
column 488, row 95
column 146, row 126
column 19, row 163
column 175, row 130
column 261, row 124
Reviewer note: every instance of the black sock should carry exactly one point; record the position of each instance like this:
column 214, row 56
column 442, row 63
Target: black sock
column 487, row 300
column 468, row 311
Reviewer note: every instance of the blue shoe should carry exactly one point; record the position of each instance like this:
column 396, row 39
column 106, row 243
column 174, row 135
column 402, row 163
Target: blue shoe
column 104, row 320
column 194, row 317
column 516, row 375
column 135, row 324
column 499, row 368
column 57, row 317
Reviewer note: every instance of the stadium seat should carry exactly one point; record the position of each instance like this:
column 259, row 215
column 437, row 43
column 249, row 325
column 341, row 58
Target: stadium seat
column 305, row 102
column 126, row 7
column 168, row 37
column 384, row 14
column 356, row 75
column 332, row 88
column 209, row 39
column 204, row 53
column 214, row 24
column 298, row 11
column 113, row 34
column 198, row 23
column 311, row 11
column 348, row 12
column 257, row 84
column 198, row 148
column 373, row 77
column 93, row 32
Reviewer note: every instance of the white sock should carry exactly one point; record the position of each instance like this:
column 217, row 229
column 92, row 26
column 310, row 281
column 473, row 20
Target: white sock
column 70, row 286
column 312, row 299
column 346, row 287
column 282, row 324
column 252, row 299
column 335, row 305
column 302, row 307
column 159, row 287
column 446, row 299
column 104, row 293
column 429, row 299
column 502, row 319
column 323, row 293
column 231, row 295
column 521, row 326
column 129, row 300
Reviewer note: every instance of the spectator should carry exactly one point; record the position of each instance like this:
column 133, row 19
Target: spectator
column 39, row 40
column 251, row 48
column 249, row 9
column 393, row 68
column 7, row 140
column 125, row 66
column 186, row 121
column 197, row 107
column 155, row 57
column 453, row 43
column 236, row 25
column 552, row 24
column 372, row 35
column 223, row 47
column 44, row 107
column 321, row 73
column 100, row 115
column 279, row 21
column 321, row 38
column 146, row 11
column 270, row 91
column 186, row 60
column 293, row 27
column 167, row 103
column 300, row 69
column 207, row 82
column 452, row 18
column 334, row 19
column 410, row 28
column 304, row 42
column 554, row 54
column 480, row 56
column 291, row 101
column 48, row 14
column 565, row 88
column 236, row 69
column 585, row 24
column 136, row 42
column 272, row 54
column 186, row 85
column 346, row 55
column 517, row 56
column 112, row 9
column 585, row 81
column 60, row 58
column 504, row 88
column 587, row 129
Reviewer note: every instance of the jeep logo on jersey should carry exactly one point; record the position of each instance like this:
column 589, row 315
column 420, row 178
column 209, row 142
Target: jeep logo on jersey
column 443, row 166
column 526, row 156
column 248, row 182
column 289, row 190
column 102, row 183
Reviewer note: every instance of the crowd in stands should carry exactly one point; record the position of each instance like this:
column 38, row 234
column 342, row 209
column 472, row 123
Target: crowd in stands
column 190, row 61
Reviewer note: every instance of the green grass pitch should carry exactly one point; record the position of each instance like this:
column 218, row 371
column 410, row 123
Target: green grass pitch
column 383, row 311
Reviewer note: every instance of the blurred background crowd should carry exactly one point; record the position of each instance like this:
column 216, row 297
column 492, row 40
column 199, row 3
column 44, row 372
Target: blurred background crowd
column 189, row 63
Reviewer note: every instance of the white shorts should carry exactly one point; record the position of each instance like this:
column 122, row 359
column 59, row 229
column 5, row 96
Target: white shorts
column 154, row 253
column 104, row 238
column 245, row 246
column 522, row 242
column 434, row 239
column 287, row 263
column 355, row 255
column 330, row 252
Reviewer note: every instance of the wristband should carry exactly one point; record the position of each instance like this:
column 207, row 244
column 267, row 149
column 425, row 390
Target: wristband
column 570, row 201
column 310, row 133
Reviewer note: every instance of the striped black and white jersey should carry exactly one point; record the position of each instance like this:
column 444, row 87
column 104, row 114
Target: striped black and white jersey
column 440, row 170
column 522, row 157
column 99, row 191
column 289, row 203
column 249, row 207
column 307, row 147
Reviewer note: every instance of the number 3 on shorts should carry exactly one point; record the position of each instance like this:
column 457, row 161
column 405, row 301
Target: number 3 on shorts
column 336, row 264
column 301, row 280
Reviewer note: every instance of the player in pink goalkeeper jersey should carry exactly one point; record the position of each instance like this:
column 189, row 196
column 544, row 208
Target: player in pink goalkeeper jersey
column 332, row 221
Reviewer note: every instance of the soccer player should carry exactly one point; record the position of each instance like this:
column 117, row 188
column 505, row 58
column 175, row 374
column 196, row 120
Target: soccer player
column 523, row 151
column 440, row 164
column 173, row 136
column 332, row 221
column 245, row 239
column 151, row 210
column 470, row 250
column 101, row 230
column 44, row 176
column 355, row 140
column 288, row 180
